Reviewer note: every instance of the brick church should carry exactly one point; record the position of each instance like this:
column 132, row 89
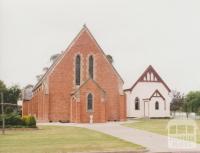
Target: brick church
column 80, row 86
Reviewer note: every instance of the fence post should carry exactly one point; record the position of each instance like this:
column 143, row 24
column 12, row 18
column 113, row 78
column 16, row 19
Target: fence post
column 3, row 117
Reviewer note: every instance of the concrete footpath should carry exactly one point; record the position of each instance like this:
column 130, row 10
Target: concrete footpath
column 153, row 142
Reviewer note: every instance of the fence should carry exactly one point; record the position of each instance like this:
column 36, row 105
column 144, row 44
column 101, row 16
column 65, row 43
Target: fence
column 184, row 115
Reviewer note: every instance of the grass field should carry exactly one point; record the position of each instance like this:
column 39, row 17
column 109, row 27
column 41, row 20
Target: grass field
column 53, row 139
column 158, row 126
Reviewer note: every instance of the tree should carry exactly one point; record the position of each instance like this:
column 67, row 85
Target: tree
column 186, row 108
column 38, row 77
column 45, row 69
column 54, row 57
column 12, row 94
column 192, row 102
column 3, row 90
column 177, row 101
column 2, row 86
column 110, row 58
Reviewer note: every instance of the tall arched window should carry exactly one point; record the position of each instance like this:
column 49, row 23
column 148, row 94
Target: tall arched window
column 137, row 103
column 156, row 105
column 89, row 102
column 91, row 66
column 78, row 70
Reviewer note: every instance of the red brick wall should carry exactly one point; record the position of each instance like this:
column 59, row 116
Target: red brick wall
column 98, row 105
column 25, row 107
column 38, row 106
column 62, row 83
column 122, row 108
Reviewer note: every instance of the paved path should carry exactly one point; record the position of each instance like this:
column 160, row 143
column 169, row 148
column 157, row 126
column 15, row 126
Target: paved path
column 153, row 142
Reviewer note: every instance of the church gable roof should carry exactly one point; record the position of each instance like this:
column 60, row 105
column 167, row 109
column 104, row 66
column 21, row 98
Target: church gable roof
column 61, row 56
column 87, row 81
column 100, row 49
column 157, row 94
column 149, row 75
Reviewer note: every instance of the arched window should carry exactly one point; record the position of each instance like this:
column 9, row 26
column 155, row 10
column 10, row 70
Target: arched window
column 89, row 102
column 91, row 63
column 78, row 69
column 137, row 103
column 156, row 105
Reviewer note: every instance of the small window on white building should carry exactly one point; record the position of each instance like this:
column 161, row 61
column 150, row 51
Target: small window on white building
column 157, row 105
column 137, row 103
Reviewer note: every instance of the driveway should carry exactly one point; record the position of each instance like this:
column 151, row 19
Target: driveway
column 153, row 142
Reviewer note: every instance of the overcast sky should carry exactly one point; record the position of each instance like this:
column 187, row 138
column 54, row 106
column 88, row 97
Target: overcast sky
column 165, row 34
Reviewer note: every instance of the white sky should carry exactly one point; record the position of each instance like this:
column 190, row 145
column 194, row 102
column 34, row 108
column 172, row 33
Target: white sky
column 165, row 34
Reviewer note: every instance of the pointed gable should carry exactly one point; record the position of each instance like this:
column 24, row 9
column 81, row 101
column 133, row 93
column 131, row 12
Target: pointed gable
column 150, row 75
column 61, row 56
column 95, row 42
column 157, row 94
column 94, row 82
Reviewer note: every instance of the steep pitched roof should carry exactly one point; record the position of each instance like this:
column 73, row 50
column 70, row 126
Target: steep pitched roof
column 149, row 75
column 60, row 57
column 28, row 86
column 156, row 93
column 86, row 83
column 90, row 34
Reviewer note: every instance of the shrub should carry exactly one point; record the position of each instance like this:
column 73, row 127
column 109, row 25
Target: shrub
column 12, row 119
column 32, row 121
column 29, row 121
column 15, row 120
column 25, row 120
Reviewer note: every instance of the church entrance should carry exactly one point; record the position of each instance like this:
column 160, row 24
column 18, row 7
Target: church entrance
column 146, row 108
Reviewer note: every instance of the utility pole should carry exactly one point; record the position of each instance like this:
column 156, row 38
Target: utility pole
column 3, row 117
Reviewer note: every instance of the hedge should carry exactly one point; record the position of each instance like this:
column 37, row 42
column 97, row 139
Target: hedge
column 15, row 120
column 29, row 121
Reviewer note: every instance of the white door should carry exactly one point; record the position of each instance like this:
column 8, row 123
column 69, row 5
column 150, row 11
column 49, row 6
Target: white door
column 146, row 109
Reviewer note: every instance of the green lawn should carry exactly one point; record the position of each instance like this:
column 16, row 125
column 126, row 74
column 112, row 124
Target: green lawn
column 158, row 126
column 54, row 139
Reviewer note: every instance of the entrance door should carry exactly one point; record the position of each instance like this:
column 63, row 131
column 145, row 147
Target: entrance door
column 146, row 109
